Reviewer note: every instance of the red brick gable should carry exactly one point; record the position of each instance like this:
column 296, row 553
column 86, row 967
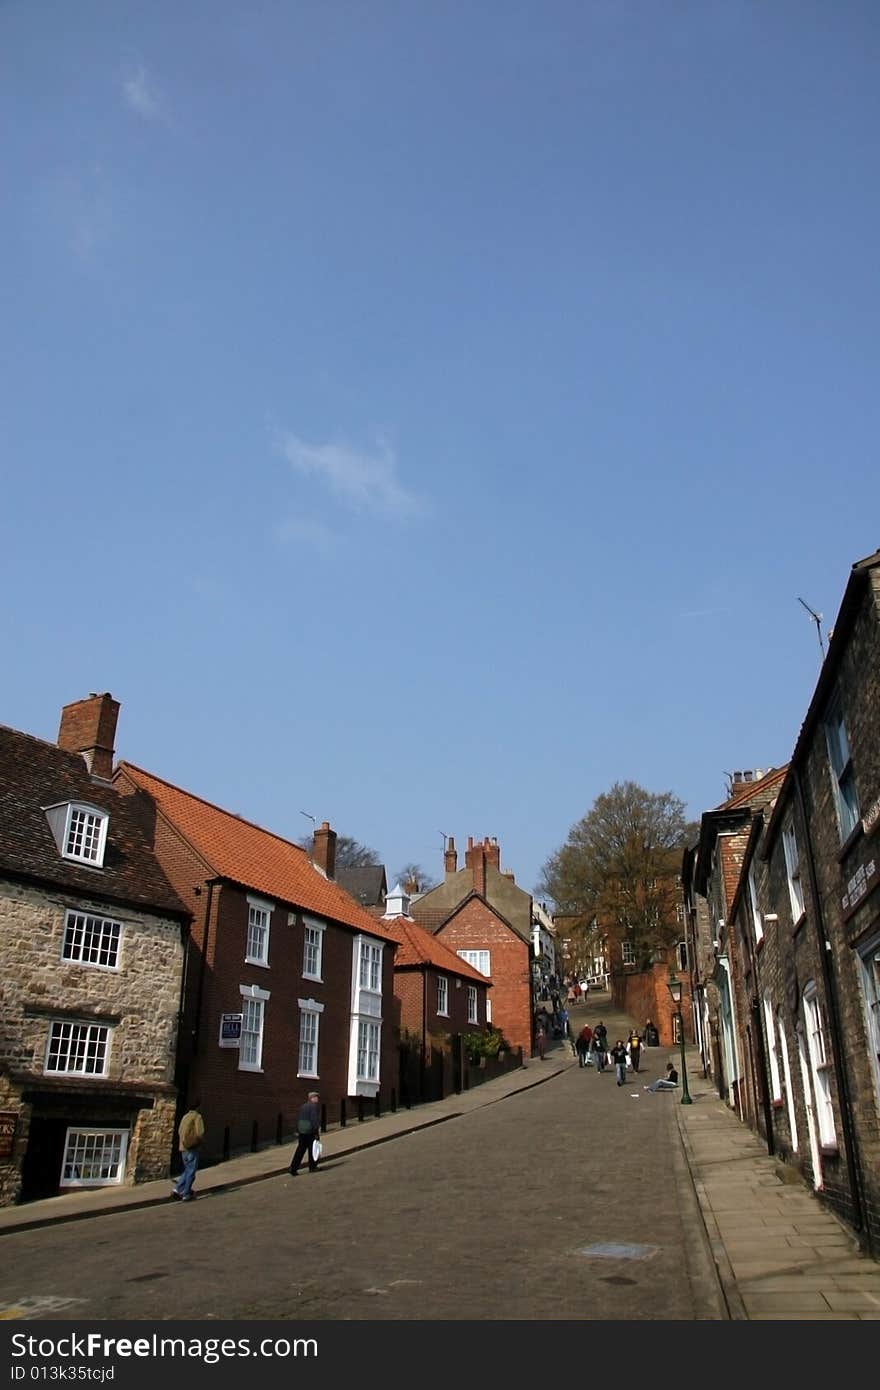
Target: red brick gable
column 418, row 947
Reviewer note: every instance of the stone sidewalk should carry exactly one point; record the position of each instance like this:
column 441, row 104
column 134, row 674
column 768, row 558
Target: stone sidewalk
column 779, row 1253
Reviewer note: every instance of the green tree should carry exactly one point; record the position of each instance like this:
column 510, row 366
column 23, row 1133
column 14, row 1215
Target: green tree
column 618, row 871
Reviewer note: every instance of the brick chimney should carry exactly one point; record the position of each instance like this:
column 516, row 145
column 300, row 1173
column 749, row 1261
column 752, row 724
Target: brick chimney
column 89, row 727
column 493, row 853
column 324, row 849
column 475, row 860
column 450, row 858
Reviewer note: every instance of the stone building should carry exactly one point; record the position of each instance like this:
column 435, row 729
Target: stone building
column 91, row 956
column 789, row 876
column 816, row 912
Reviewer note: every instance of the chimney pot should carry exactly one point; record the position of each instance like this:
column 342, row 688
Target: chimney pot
column 324, row 849
column 89, row 727
column 450, row 858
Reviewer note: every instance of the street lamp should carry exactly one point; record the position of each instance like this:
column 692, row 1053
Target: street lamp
column 673, row 984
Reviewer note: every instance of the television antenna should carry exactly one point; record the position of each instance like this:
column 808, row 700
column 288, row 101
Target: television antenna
column 817, row 619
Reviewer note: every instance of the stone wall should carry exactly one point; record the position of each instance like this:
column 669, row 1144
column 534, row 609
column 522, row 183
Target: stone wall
column 139, row 1001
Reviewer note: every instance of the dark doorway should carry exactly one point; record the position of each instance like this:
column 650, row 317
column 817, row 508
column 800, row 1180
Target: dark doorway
column 41, row 1170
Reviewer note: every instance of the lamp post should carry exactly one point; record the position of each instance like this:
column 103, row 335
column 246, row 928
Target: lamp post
column 673, row 984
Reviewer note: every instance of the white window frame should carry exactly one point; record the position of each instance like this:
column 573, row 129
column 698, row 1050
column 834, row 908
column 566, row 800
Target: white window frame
column 869, row 971
column 91, row 935
column 116, row 1138
column 820, row 1069
column 627, row 953
column 772, row 1056
column 757, row 919
column 93, row 837
column 256, row 951
column 789, row 1093
column 369, row 1056
column 479, row 960
column 313, row 943
column 253, row 1012
column 78, row 1037
column 793, row 870
column 370, row 967
column 843, row 786
column 473, row 1011
column 309, row 1021
column 442, row 996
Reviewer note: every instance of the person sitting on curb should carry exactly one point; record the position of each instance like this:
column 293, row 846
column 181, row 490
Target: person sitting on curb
column 667, row 1083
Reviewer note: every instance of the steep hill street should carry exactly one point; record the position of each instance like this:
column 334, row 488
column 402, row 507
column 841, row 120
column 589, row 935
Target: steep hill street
column 549, row 1194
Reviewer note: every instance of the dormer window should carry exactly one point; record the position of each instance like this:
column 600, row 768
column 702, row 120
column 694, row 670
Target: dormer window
column 80, row 831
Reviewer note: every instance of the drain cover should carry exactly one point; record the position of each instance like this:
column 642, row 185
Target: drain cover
column 618, row 1252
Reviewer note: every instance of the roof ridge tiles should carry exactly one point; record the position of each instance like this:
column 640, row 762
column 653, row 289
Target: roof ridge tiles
column 212, row 805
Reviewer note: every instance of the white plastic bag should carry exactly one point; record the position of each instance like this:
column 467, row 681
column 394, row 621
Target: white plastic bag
column 317, row 1149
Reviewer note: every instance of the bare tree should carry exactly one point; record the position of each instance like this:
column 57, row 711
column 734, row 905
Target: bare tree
column 414, row 874
column 619, row 868
column 350, row 854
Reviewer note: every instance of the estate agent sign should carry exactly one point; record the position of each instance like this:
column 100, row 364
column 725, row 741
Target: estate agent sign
column 230, row 1030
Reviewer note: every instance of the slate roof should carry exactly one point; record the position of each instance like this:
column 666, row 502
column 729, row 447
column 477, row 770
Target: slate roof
column 366, row 884
column 418, row 947
column 246, row 854
column 35, row 775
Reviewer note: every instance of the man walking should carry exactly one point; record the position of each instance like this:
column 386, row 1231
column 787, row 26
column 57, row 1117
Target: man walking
column 308, row 1127
column 190, row 1133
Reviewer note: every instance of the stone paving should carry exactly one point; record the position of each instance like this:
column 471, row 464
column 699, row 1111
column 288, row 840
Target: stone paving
column 779, row 1253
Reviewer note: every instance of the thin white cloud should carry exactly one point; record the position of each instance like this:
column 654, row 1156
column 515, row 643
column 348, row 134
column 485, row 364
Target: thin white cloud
column 306, row 532
column 76, row 203
column 362, row 480
column 143, row 96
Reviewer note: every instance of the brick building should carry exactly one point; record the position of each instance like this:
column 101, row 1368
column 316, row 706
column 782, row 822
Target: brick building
column 91, row 950
column 289, row 982
column 438, row 997
column 479, row 913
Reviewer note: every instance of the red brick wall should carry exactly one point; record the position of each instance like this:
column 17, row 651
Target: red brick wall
column 408, row 986
column 475, row 927
column 216, row 969
column 643, row 994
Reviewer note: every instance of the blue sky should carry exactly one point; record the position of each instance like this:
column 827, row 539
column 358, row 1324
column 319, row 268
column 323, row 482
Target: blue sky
column 425, row 415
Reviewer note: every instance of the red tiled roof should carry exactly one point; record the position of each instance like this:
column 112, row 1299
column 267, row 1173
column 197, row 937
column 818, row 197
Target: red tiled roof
column 418, row 947
column 245, row 853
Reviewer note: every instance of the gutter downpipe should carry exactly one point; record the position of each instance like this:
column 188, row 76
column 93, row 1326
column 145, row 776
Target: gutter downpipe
column 197, row 1020
column 760, row 1065
column 423, row 1058
column 852, row 1161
